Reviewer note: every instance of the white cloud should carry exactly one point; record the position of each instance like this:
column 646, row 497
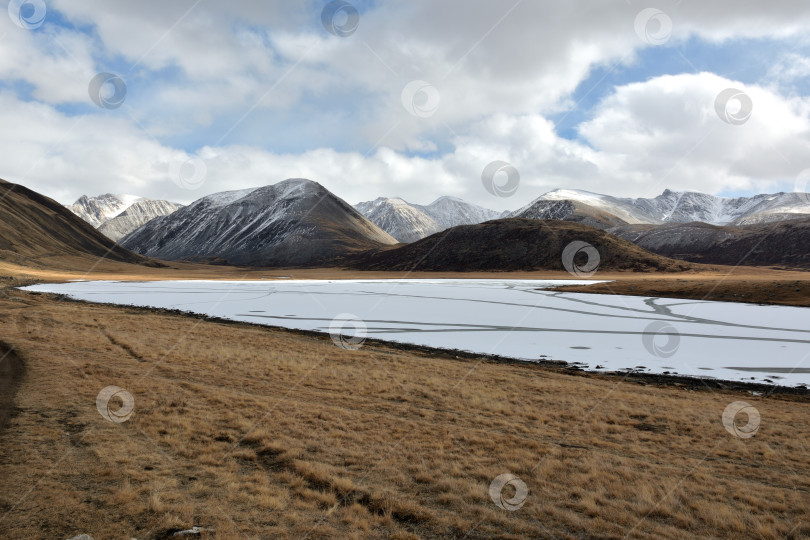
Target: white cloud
column 500, row 75
column 56, row 62
column 665, row 132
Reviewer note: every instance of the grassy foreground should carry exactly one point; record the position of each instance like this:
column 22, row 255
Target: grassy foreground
column 261, row 433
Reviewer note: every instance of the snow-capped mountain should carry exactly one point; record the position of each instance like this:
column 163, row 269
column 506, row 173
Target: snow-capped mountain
column 681, row 207
column 294, row 222
column 97, row 210
column 138, row 214
column 568, row 210
column 452, row 211
column 411, row 222
column 403, row 221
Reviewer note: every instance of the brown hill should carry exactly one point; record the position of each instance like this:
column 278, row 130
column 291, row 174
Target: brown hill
column 39, row 232
column 784, row 243
column 511, row 245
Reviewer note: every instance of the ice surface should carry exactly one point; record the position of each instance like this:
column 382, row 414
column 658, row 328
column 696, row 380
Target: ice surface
column 513, row 318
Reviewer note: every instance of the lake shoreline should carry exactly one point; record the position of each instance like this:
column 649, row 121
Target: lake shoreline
column 686, row 382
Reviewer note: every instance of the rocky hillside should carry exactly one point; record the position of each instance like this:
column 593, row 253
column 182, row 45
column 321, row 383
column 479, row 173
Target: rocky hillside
column 403, row 221
column 97, row 210
column 138, row 214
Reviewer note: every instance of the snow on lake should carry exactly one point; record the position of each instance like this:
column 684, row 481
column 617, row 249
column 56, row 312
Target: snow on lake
column 514, row 318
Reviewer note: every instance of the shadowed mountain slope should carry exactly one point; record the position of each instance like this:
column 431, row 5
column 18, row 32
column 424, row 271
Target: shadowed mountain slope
column 37, row 231
column 784, row 243
column 511, row 245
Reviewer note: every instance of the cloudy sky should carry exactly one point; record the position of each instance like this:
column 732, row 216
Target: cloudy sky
column 408, row 98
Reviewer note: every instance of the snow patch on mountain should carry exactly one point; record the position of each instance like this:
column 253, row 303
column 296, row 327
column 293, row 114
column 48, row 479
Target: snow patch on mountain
column 452, row 212
column 403, row 221
column 138, row 214
column 686, row 206
column 97, row 210
column 411, row 222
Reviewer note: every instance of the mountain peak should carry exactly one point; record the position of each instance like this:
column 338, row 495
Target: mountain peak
column 296, row 221
column 138, row 214
column 96, row 210
column 411, row 222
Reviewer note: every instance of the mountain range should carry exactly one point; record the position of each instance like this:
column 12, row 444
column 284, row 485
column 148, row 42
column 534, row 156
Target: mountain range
column 408, row 222
column 115, row 216
column 298, row 222
column 605, row 211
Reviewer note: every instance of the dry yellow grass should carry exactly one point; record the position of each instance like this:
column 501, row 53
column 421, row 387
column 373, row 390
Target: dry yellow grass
column 731, row 284
column 261, row 433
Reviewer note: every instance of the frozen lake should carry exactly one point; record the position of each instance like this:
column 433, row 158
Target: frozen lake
column 514, row 318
